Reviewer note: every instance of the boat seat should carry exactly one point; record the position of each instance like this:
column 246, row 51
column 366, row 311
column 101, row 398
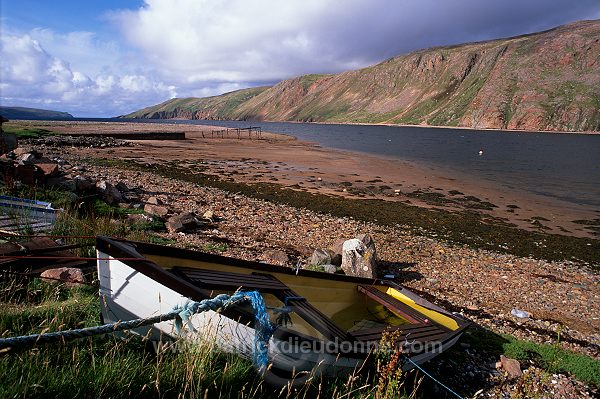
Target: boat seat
column 266, row 283
column 421, row 332
column 364, row 324
column 213, row 279
column 411, row 315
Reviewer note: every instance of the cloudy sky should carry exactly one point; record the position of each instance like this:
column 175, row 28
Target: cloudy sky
column 111, row 57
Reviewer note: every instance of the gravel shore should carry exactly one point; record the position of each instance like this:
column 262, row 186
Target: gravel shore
column 562, row 297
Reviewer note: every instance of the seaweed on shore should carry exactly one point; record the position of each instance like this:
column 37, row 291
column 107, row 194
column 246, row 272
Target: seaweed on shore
column 466, row 227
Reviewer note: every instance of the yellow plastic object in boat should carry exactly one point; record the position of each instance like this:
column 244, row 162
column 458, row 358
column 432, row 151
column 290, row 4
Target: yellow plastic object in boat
column 431, row 314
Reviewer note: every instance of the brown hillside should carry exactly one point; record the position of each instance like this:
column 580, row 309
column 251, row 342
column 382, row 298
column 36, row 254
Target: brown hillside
column 543, row 81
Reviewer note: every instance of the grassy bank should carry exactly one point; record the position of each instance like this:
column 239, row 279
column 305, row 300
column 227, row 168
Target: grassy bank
column 551, row 358
column 27, row 132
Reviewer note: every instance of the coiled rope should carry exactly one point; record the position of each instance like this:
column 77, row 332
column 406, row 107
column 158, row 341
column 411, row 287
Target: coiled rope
column 181, row 315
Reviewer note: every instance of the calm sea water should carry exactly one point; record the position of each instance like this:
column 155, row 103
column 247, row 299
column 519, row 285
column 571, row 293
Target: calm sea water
column 562, row 166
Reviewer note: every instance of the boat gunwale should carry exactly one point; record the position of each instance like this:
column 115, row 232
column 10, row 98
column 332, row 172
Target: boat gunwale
column 157, row 249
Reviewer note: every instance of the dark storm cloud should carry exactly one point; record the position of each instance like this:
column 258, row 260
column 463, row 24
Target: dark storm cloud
column 379, row 29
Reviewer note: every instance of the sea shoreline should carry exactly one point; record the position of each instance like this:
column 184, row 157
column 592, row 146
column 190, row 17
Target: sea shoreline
column 308, row 167
column 484, row 129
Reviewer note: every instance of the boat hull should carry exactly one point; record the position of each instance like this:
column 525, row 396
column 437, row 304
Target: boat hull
column 127, row 294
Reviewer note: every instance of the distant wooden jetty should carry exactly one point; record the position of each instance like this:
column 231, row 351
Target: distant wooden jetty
column 257, row 130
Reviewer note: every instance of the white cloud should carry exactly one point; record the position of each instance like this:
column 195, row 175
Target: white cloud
column 33, row 77
column 207, row 47
column 237, row 40
column 84, row 50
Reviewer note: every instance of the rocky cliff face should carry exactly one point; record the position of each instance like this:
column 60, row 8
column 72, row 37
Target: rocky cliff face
column 544, row 81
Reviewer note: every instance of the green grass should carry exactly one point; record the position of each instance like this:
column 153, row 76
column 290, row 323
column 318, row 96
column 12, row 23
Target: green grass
column 57, row 197
column 27, row 132
column 554, row 359
column 551, row 358
column 221, row 247
column 308, row 80
column 102, row 209
column 105, row 366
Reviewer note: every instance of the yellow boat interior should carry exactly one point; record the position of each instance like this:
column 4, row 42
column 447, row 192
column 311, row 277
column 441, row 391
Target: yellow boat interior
column 319, row 305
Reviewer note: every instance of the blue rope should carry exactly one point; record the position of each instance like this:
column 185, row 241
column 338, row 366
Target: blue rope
column 433, row 378
column 263, row 330
column 181, row 315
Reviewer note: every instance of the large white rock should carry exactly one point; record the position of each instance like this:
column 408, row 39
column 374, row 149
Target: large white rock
column 359, row 259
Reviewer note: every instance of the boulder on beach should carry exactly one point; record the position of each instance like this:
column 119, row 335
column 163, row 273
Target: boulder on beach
column 109, row 193
column 359, row 257
column 336, row 252
column 154, row 201
column 276, row 257
column 511, row 366
column 156, row 210
column 69, row 275
column 320, row 257
column 83, row 184
column 183, row 223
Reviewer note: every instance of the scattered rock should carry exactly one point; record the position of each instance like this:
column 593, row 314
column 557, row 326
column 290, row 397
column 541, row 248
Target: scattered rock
column 320, row 257
column 154, row 201
column 62, row 182
column 19, row 151
column 69, row 275
column 511, row 366
column 139, row 217
column 276, row 257
column 122, row 187
column 210, row 216
column 156, row 210
column 330, row 268
column 83, row 184
column 90, row 141
column 47, row 167
column 27, row 159
column 336, row 252
column 109, row 193
column 183, row 223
